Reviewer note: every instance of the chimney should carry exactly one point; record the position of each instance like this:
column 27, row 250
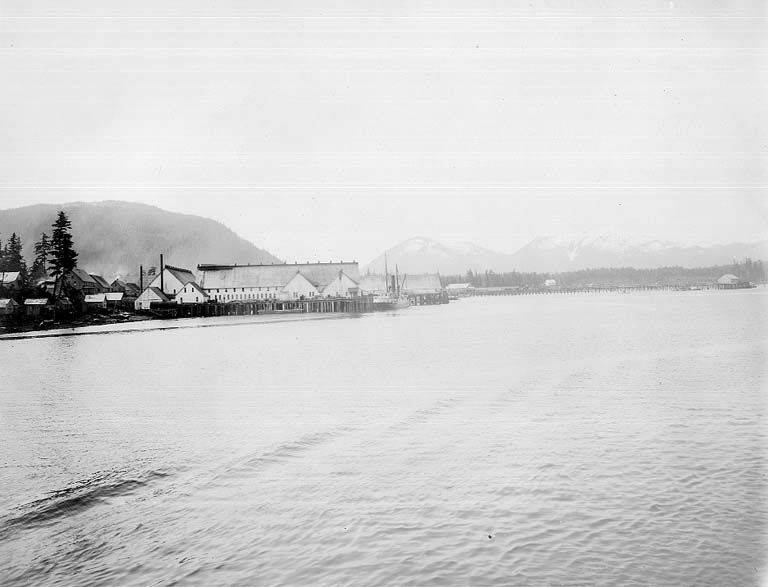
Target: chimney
column 162, row 277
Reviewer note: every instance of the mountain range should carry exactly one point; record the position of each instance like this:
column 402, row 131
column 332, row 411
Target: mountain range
column 555, row 254
column 113, row 238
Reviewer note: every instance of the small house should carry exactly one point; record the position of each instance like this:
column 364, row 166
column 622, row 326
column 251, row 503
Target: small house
column 82, row 280
column 191, row 293
column 728, row 279
column 114, row 299
column 148, row 297
column 550, row 283
column 96, row 301
column 101, row 284
column 35, row 306
column 131, row 290
column 8, row 307
column 10, row 280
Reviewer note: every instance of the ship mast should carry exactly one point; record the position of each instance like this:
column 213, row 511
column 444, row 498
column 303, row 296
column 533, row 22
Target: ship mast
column 386, row 275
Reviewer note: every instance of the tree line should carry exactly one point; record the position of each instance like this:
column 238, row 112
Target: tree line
column 55, row 258
column 746, row 270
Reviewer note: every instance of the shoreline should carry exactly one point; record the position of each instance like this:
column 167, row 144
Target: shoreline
column 174, row 324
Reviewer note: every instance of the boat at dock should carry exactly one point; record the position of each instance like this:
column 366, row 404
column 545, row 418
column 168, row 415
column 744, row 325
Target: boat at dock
column 393, row 298
column 388, row 303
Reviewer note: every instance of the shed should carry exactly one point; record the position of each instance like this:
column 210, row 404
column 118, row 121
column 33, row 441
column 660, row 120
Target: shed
column 8, row 307
column 35, row 306
column 728, row 279
column 94, row 301
column 148, row 296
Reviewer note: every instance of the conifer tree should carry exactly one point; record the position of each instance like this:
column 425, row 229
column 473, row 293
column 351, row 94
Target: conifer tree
column 63, row 258
column 40, row 264
column 14, row 258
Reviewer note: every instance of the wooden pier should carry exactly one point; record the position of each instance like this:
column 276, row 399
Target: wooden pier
column 428, row 299
column 357, row 305
column 596, row 289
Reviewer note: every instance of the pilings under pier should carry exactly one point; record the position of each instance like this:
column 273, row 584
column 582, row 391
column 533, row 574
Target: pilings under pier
column 357, row 305
column 522, row 291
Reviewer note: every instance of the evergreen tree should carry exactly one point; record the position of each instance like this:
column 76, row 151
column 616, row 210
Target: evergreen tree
column 63, row 258
column 14, row 258
column 40, row 264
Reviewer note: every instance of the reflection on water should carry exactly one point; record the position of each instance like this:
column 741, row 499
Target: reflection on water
column 606, row 439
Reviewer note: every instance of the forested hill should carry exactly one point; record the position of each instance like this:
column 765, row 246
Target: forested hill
column 113, row 238
column 747, row 270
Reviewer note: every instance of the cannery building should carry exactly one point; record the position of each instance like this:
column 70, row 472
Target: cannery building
column 233, row 283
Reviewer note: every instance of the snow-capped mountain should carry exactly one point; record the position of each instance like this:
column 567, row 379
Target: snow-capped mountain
column 425, row 255
column 581, row 251
column 555, row 254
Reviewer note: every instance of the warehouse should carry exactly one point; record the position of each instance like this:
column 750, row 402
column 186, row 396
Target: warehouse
column 232, row 283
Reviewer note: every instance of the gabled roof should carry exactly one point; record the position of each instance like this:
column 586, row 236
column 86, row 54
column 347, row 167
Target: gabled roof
column 7, row 302
column 36, row 302
column 183, row 275
column 83, row 275
column 197, row 288
column 8, row 276
column 158, row 292
column 299, row 274
column 275, row 275
column 118, row 283
column 339, row 276
column 100, row 281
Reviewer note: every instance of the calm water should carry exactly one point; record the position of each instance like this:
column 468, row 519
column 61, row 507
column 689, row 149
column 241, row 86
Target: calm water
column 558, row 440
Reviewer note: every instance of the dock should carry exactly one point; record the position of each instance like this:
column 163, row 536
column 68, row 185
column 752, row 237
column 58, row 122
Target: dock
column 356, row 305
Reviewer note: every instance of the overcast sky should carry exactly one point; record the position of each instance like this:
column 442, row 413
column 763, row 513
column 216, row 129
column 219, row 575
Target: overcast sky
column 335, row 130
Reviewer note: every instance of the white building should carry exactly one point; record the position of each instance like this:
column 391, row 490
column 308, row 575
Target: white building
column 191, row 293
column 9, row 280
column 550, row 283
column 728, row 279
column 98, row 300
column 173, row 279
column 233, row 283
column 148, row 296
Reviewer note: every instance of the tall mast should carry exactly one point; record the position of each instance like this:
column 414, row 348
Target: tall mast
column 386, row 274
column 397, row 280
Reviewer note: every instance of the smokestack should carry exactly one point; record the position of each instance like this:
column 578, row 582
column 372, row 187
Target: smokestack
column 141, row 278
column 162, row 279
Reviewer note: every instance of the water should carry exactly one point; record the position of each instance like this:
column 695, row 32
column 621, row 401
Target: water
column 537, row 440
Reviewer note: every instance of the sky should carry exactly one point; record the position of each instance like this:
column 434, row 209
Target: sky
column 336, row 130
